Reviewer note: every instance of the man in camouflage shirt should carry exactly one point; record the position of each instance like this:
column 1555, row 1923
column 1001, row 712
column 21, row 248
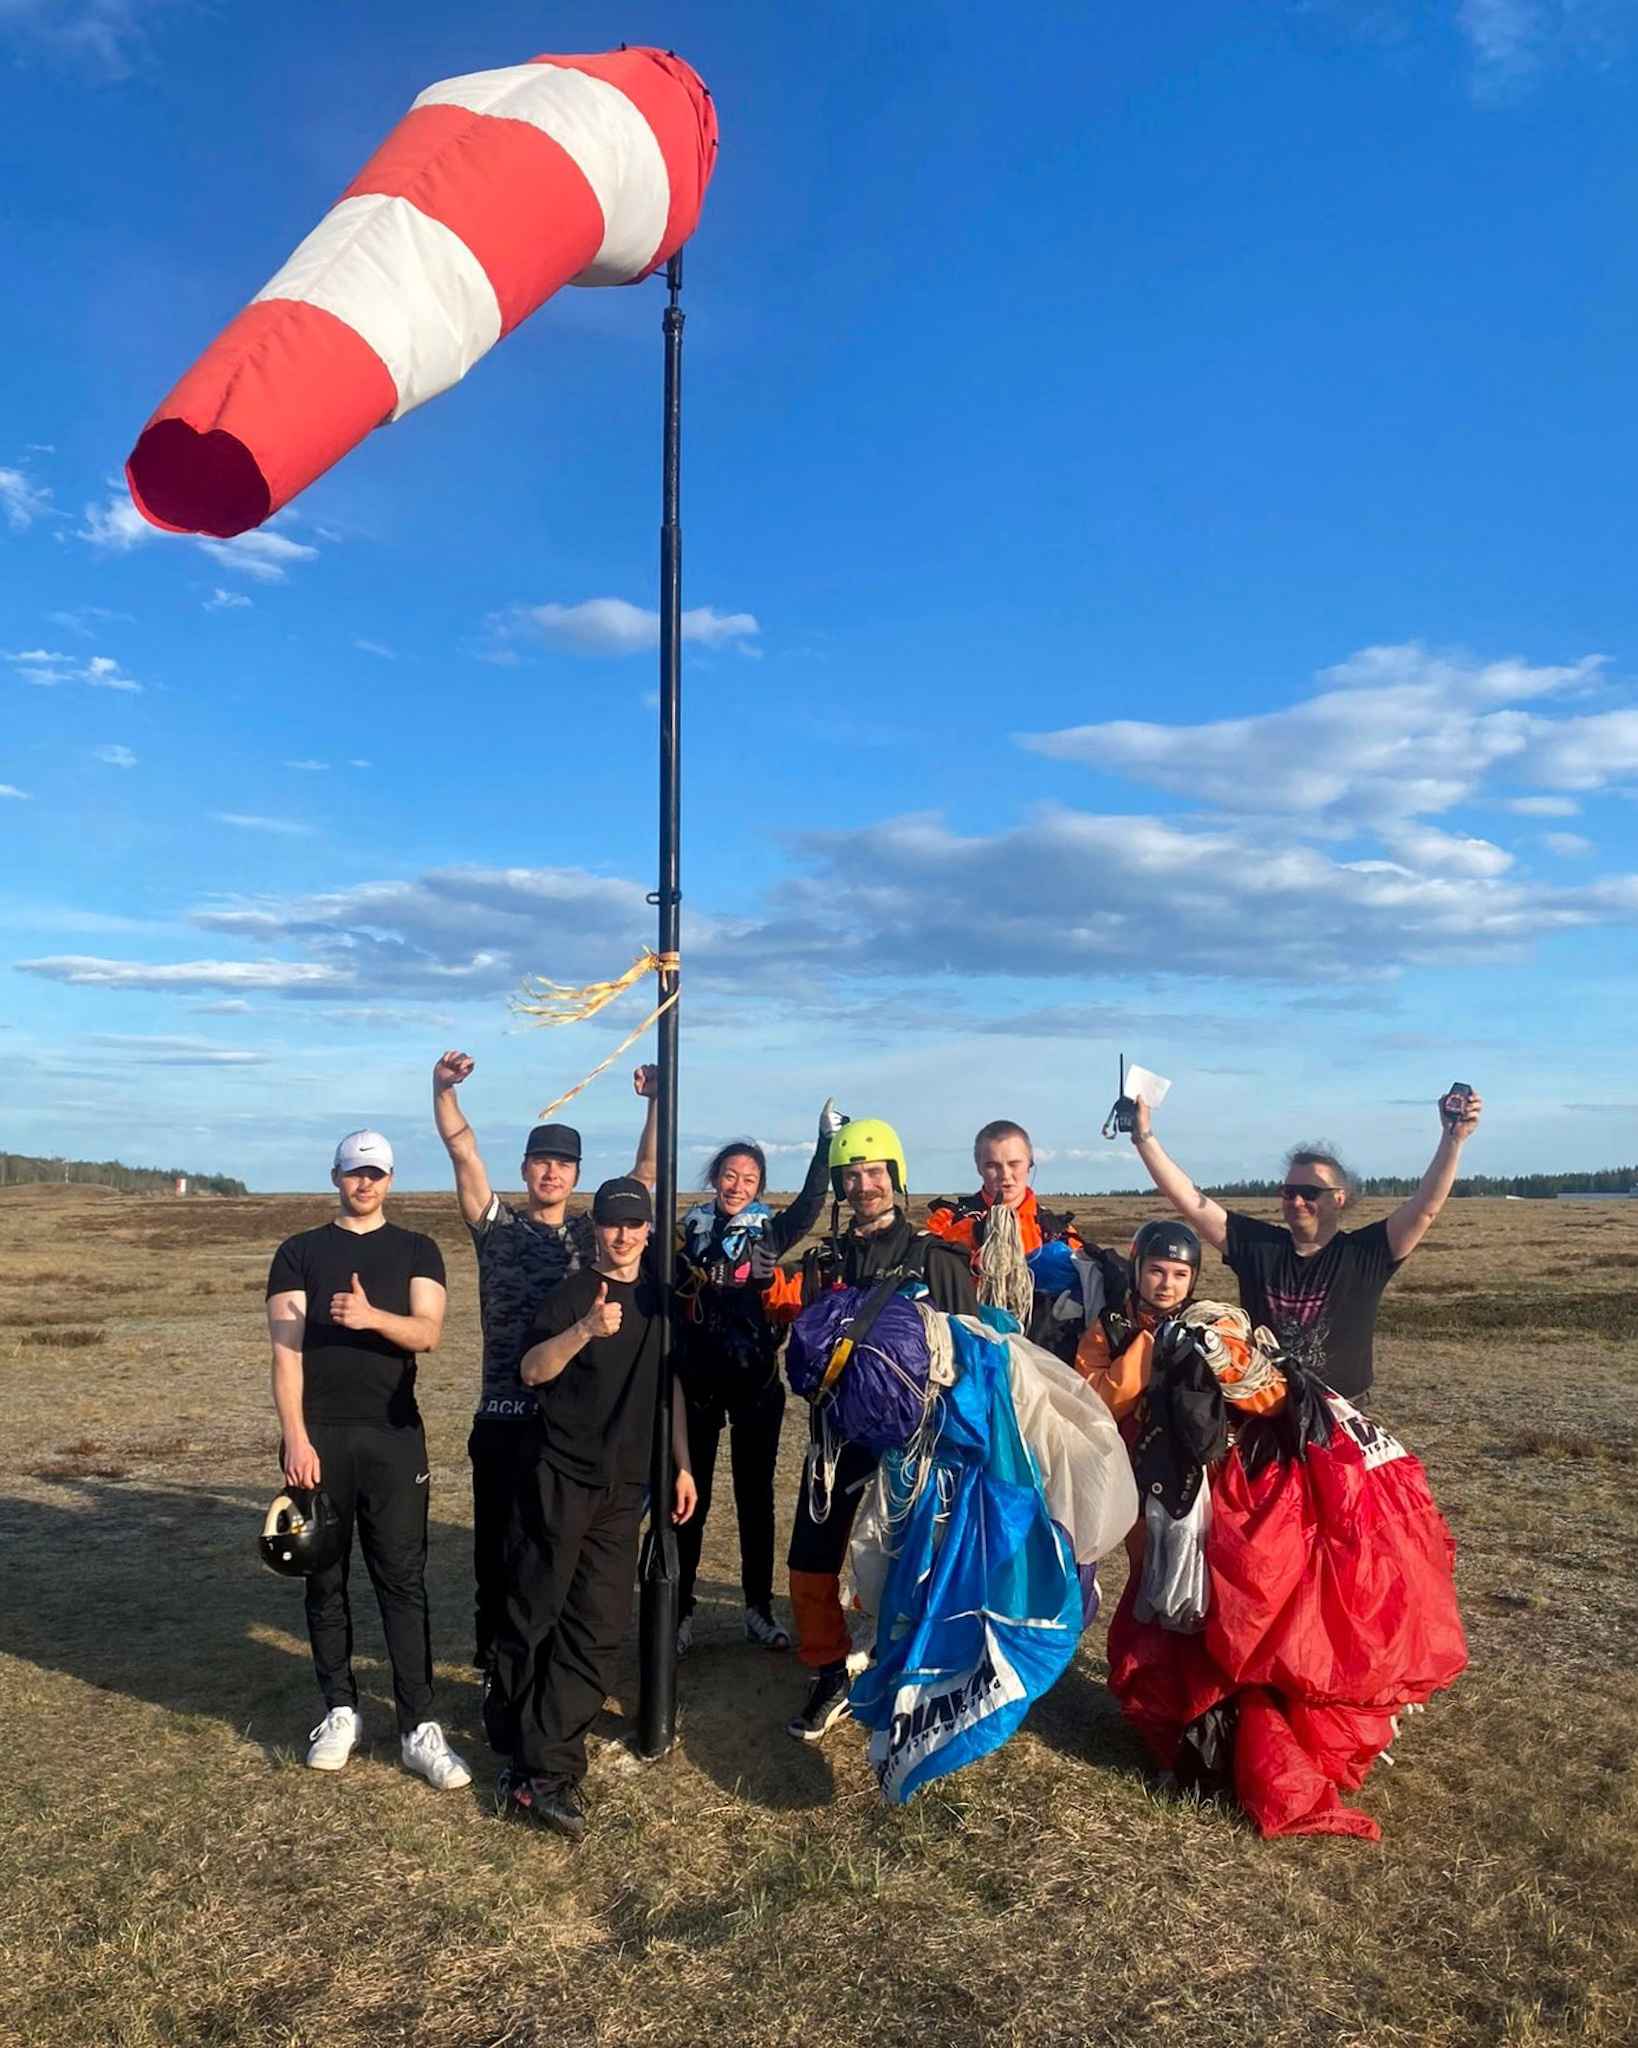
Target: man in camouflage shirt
column 523, row 1253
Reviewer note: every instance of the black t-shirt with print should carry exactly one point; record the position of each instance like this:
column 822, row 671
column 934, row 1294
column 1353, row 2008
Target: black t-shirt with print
column 355, row 1375
column 597, row 1416
column 1322, row 1308
column 519, row 1263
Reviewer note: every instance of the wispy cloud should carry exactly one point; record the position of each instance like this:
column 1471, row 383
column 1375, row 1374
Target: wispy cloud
column 1543, row 806
column 116, row 526
column 159, row 1050
column 47, row 670
column 10, row 789
column 221, row 600
column 310, row 767
column 105, row 37
column 612, row 626
column 375, row 647
column 1512, row 42
column 89, row 619
column 84, row 970
column 1567, row 845
column 264, row 555
column 244, row 821
column 117, row 757
column 22, row 501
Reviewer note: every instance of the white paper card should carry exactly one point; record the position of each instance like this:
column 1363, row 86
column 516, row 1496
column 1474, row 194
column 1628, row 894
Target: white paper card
column 1142, row 1086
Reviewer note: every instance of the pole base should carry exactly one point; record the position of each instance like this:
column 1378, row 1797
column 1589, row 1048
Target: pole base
column 657, row 1644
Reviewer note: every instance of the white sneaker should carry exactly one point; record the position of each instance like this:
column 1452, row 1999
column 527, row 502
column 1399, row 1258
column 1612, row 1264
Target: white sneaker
column 685, row 1636
column 763, row 1629
column 425, row 1751
column 333, row 1739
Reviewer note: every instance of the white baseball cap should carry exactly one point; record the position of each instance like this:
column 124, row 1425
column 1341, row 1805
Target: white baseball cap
column 363, row 1148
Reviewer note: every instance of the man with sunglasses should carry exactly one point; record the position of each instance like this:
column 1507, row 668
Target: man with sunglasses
column 1313, row 1283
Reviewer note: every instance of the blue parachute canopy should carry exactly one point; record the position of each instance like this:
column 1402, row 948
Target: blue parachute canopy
column 981, row 1609
column 1052, row 1268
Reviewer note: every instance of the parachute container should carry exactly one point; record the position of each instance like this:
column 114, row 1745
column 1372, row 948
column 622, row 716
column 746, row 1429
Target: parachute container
column 494, row 191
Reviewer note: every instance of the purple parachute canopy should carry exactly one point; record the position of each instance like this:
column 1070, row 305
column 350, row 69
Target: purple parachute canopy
column 880, row 1396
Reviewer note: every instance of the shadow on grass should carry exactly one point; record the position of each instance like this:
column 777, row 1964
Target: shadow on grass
column 734, row 1699
column 157, row 1593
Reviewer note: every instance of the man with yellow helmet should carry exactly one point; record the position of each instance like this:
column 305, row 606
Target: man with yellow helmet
column 868, row 1173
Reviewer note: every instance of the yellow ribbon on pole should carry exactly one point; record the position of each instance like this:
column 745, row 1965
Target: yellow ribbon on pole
column 546, row 1003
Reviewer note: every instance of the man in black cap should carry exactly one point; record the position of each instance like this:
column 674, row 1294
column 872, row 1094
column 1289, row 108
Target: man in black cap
column 523, row 1253
column 593, row 1368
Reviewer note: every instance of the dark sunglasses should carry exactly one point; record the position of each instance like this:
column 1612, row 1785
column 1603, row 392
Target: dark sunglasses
column 1305, row 1190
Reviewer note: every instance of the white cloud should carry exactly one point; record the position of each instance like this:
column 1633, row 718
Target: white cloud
column 1567, row 845
column 1513, row 41
column 263, row 554
column 83, row 970
column 106, row 37
column 47, row 669
column 360, row 764
column 116, row 525
column 1544, row 806
column 1436, row 852
column 158, row 1050
column 609, row 625
column 1392, row 734
column 221, row 600
column 230, row 1006
column 245, row 822
column 88, row 619
column 376, row 648
column 21, row 500
column 117, row 757
column 10, row 789
column 310, row 767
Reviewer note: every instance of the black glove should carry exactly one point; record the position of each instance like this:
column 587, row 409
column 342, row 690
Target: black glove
column 755, row 1269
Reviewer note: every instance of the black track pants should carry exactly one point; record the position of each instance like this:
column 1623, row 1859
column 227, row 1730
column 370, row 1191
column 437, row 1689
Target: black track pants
column 571, row 1565
column 753, row 1449
column 499, row 1449
column 378, row 1478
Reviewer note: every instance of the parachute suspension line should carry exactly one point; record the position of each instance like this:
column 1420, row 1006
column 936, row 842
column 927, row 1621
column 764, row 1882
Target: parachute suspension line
column 548, row 1003
column 1004, row 1279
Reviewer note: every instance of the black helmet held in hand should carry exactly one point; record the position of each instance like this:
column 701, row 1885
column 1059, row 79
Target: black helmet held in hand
column 1165, row 1239
column 301, row 1534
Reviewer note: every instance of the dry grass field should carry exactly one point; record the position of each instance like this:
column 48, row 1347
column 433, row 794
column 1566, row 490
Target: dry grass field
column 173, row 1874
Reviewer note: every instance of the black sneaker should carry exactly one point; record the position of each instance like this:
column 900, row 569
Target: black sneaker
column 827, row 1703
column 552, row 1803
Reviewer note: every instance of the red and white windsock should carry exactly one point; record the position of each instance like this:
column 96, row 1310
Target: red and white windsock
column 495, row 190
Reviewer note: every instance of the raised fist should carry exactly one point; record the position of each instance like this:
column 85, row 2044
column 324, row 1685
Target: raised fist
column 452, row 1070
column 646, row 1083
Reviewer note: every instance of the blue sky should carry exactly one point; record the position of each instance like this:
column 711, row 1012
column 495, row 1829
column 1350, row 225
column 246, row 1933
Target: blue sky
column 1159, row 539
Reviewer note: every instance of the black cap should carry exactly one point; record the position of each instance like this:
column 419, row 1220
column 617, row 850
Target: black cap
column 562, row 1141
column 622, row 1201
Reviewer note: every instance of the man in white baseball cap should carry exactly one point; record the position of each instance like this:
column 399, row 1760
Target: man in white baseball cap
column 349, row 1305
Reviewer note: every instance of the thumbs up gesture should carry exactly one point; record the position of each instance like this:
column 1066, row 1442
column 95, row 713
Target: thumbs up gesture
column 352, row 1309
column 602, row 1319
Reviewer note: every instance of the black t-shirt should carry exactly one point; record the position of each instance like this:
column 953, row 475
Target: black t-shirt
column 597, row 1416
column 355, row 1375
column 519, row 1263
column 1322, row 1308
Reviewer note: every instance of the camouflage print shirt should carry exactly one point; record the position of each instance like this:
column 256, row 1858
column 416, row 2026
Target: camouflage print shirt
column 519, row 1263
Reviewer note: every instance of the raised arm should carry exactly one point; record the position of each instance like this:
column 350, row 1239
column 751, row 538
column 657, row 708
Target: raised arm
column 471, row 1176
column 791, row 1225
column 286, row 1322
column 1413, row 1219
column 646, row 1166
column 1208, row 1217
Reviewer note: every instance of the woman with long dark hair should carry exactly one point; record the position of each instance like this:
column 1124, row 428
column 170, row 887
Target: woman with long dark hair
column 728, row 1359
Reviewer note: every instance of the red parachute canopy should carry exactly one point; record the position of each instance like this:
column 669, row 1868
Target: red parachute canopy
column 495, row 190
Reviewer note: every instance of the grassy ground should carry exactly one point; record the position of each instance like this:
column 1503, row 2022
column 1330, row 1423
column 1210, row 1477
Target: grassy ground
column 173, row 1874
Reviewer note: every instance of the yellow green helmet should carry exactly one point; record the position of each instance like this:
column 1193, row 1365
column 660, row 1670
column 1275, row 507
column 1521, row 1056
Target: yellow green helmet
column 867, row 1138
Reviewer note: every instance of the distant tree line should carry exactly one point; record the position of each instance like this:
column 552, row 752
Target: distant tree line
column 1608, row 1180
column 113, row 1173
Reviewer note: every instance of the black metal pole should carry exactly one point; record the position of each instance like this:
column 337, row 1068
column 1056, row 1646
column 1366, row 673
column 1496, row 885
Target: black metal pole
column 657, row 1571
